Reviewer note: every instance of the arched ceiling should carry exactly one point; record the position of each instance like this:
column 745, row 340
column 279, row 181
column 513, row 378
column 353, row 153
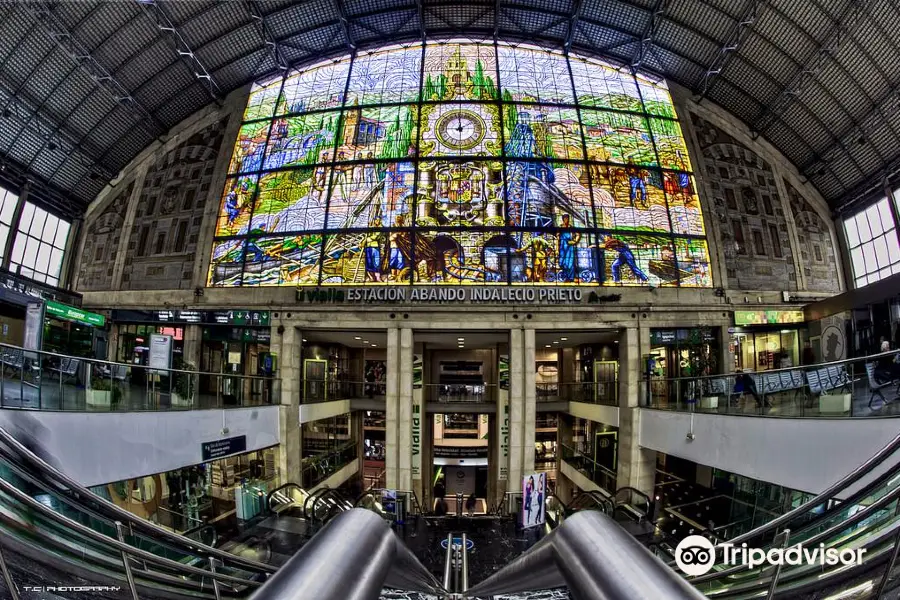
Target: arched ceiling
column 86, row 85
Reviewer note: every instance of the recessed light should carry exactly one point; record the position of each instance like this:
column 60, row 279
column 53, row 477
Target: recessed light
column 357, row 338
column 555, row 342
column 365, row 341
column 374, row 345
column 548, row 346
column 563, row 339
column 460, row 339
column 304, row 339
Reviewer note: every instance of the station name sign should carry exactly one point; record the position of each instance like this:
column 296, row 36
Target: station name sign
column 453, row 295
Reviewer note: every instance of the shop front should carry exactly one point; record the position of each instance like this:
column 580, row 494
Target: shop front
column 682, row 352
column 766, row 340
column 220, row 492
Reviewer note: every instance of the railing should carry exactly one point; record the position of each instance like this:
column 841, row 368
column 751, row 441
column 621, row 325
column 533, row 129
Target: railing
column 605, row 393
column 858, row 387
column 596, row 472
column 327, row 391
column 48, row 381
column 459, row 393
column 50, row 519
column 316, row 469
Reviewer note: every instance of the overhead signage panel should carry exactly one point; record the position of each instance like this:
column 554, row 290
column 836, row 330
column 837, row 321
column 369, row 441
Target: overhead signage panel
column 71, row 313
column 454, row 295
column 767, row 317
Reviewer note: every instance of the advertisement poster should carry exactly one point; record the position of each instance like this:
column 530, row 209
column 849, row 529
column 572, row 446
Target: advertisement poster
column 34, row 325
column 417, row 371
column 503, row 420
column 160, row 351
column 533, row 493
column 417, row 414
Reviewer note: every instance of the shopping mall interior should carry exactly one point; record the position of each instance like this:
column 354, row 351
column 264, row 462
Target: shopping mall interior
column 427, row 300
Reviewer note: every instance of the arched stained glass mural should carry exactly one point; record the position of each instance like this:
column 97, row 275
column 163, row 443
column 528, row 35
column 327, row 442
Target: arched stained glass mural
column 460, row 163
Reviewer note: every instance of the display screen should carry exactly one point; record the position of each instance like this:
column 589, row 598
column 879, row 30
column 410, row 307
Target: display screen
column 460, row 163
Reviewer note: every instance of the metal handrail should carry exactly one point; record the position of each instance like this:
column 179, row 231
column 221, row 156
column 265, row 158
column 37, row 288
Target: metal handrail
column 271, row 494
column 826, row 495
column 813, row 367
column 138, row 553
column 129, row 365
column 123, row 515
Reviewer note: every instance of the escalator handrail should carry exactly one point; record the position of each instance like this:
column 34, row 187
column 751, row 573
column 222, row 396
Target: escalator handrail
column 202, row 527
column 812, row 541
column 565, row 506
column 289, row 484
column 647, row 502
column 845, row 482
column 115, row 544
column 333, row 493
column 599, row 499
column 125, row 517
column 313, row 496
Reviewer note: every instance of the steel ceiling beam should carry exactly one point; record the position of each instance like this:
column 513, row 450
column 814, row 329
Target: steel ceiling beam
column 573, row 24
column 16, row 107
column 341, row 11
column 736, row 37
column 46, row 19
column 252, row 7
column 839, row 32
column 646, row 44
column 160, row 18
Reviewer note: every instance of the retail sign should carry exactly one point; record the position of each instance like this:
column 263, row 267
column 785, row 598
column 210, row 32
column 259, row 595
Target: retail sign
column 416, row 467
column 503, row 431
column 222, row 448
column 243, row 316
column 452, row 295
column 70, row 313
column 767, row 317
column 460, row 451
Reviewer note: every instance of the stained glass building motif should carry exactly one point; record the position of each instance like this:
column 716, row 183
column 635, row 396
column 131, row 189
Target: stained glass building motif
column 460, row 163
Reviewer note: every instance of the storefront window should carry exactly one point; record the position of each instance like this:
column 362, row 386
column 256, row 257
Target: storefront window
column 217, row 492
column 766, row 350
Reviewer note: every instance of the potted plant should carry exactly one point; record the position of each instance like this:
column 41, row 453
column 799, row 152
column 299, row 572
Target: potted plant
column 103, row 393
column 182, row 385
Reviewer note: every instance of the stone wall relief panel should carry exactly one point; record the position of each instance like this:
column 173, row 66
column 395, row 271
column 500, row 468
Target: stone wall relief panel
column 817, row 253
column 101, row 244
column 754, row 231
column 163, row 242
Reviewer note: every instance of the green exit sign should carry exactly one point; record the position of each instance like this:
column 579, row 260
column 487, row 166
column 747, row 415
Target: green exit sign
column 70, row 313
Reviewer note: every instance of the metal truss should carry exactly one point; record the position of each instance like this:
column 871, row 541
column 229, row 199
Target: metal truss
column 733, row 42
column 573, row 24
column 645, row 46
column 156, row 13
column 841, row 30
column 341, row 11
column 52, row 134
column 45, row 18
column 265, row 33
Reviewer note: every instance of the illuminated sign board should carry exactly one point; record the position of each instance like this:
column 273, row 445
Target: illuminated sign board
column 70, row 313
column 767, row 317
column 453, row 295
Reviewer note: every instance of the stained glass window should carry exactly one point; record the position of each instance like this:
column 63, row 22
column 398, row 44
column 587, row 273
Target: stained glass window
column 460, row 162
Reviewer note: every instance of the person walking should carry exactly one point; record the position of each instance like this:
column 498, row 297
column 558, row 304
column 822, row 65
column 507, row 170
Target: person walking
column 471, row 501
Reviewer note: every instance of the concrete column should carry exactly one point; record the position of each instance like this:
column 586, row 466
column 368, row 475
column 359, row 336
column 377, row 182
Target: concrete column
column 530, row 422
column 637, row 466
column 287, row 347
column 391, row 415
column 193, row 335
column 112, row 344
column 517, row 367
column 565, row 489
column 726, row 356
column 404, row 448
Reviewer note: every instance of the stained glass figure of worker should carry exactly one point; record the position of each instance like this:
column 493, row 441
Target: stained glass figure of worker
column 568, row 242
column 625, row 257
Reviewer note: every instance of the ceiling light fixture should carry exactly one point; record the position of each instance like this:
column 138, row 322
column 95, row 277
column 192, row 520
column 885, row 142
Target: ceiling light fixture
column 374, row 345
column 304, row 339
column 460, row 339
column 563, row 339
column 357, row 338
column 548, row 346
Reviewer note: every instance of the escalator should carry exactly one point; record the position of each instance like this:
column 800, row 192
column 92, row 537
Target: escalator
column 866, row 519
column 48, row 519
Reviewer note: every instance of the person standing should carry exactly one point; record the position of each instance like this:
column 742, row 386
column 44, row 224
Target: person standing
column 568, row 240
column 471, row 501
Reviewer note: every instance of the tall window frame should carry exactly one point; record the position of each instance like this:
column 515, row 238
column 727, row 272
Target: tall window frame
column 39, row 247
column 872, row 243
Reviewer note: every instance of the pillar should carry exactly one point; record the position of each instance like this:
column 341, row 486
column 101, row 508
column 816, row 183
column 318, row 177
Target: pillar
column 565, row 489
column 516, row 407
column 726, row 355
column 193, row 338
column 405, row 396
column 287, row 347
column 112, row 344
column 522, row 405
column 391, row 408
column 637, row 466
